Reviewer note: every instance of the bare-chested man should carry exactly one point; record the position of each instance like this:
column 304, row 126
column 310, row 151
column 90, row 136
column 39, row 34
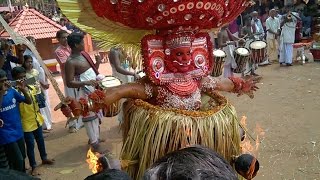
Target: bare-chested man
column 228, row 45
column 81, row 76
column 118, row 61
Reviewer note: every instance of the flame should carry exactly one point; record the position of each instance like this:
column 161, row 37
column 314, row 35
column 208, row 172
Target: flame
column 246, row 145
column 92, row 160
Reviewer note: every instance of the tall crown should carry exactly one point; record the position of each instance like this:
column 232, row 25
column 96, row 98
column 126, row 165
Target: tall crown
column 182, row 37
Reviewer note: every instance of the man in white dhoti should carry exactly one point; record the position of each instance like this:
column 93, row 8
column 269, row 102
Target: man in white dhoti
column 227, row 42
column 80, row 74
column 273, row 31
column 287, row 37
column 62, row 54
column 45, row 112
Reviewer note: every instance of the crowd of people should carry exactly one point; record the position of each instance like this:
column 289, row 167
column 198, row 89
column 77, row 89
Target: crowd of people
column 25, row 107
column 277, row 29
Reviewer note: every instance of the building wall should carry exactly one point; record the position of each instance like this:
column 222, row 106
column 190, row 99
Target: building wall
column 46, row 48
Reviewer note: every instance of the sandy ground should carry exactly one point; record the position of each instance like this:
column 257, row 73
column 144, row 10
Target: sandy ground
column 286, row 107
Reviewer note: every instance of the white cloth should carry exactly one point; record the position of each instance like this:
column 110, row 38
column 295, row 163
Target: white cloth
column 91, row 122
column 123, row 78
column 230, row 62
column 259, row 28
column 288, row 31
column 274, row 25
column 46, row 113
column 286, row 53
column 92, row 129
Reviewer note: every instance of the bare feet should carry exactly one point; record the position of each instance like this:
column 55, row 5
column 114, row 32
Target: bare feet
column 48, row 161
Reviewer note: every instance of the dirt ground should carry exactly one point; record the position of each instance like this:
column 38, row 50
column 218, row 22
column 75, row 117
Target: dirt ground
column 286, row 107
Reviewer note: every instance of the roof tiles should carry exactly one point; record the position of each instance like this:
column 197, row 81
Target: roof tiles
column 30, row 22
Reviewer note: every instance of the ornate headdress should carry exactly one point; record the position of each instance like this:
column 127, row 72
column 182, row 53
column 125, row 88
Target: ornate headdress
column 126, row 22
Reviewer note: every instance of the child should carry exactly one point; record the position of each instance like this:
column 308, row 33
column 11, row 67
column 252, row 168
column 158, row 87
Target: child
column 40, row 87
column 11, row 133
column 32, row 122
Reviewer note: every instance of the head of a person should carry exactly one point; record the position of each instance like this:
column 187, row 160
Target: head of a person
column 32, row 39
column 4, row 45
column 254, row 15
column 3, row 77
column 27, row 64
column 2, row 59
column 191, row 163
column 179, row 60
column 247, row 166
column 63, row 21
column 247, row 22
column 109, row 174
column 272, row 13
column 75, row 41
column 62, row 37
column 18, row 73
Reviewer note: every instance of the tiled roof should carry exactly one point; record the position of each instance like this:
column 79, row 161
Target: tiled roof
column 30, row 22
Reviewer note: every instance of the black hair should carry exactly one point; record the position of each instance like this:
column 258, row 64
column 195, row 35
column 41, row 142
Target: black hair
column 16, row 71
column 2, row 73
column 109, row 174
column 74, row 39
column 30, row 37
column 60, row 32
column 195, row 162
column 25, row 57
column 243, row 163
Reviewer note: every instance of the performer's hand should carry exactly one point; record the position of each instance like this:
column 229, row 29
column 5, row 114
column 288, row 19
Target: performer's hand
column 249, row 87
column 1, row 123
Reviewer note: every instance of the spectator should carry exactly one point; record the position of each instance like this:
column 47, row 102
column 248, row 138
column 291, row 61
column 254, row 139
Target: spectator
column 45, row 111
column 32, row 122
column 63, row 23
column 6, row 51
column 11, row 133
column 62, row 54
column 191, row 163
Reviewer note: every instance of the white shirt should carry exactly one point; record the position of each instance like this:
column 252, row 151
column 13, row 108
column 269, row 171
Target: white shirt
column 289, row 30
column 274, row 25
column 259, row 28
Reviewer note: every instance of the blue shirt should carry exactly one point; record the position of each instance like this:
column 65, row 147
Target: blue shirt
column 10, row 114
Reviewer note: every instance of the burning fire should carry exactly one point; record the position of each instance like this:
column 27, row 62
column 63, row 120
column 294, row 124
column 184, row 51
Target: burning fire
column 246, row 145
column 92, row 160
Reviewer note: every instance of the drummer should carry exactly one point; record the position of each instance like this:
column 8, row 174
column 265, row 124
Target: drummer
column 227, row 42
column 247, row 33
column 119, row 62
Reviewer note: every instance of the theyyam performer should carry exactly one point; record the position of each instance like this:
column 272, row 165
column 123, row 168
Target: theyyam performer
column 176, row 104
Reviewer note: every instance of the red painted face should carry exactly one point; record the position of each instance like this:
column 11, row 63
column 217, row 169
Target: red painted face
column 181, row 59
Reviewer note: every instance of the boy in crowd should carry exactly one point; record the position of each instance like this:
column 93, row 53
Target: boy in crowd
column 11, row 133
column 32, row 122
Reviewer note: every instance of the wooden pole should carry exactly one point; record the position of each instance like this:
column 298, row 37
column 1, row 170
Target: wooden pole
column 18, row 39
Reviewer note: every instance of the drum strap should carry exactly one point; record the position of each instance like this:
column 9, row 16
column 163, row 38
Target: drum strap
column 88, row 58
